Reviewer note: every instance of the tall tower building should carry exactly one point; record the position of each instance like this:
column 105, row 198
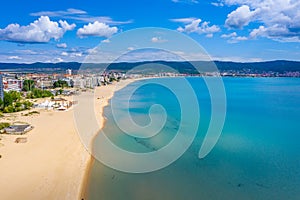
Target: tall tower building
column 1, row 87
column 69, row 72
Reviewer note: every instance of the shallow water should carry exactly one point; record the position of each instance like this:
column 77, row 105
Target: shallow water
column 256, row 157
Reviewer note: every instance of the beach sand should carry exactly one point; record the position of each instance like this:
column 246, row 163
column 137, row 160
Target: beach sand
column 53, row 163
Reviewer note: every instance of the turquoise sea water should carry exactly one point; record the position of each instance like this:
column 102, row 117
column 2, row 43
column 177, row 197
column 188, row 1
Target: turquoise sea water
column 256, row 157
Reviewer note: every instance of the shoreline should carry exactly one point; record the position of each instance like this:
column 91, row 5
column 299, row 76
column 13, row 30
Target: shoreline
column 53, row 162
column 50, row 165
column 99, row 105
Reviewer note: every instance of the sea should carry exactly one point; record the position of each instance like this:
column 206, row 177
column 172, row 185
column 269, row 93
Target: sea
column 256, row 157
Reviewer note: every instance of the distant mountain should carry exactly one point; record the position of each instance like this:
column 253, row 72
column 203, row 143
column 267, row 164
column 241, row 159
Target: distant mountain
column 280, row 66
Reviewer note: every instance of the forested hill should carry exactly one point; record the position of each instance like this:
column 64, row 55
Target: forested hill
column 280, row 66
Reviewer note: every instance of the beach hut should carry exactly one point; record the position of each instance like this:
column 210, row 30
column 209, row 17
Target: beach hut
column 18, row 129
column 62, row 108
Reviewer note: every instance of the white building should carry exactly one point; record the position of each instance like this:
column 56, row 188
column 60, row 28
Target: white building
column 78, row 82
column 69, row 72
column 13, row 85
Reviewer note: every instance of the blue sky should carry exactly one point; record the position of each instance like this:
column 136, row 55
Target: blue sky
column 234, row 30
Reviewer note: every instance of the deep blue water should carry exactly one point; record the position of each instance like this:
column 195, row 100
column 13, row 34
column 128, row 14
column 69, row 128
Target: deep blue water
column 256, row 157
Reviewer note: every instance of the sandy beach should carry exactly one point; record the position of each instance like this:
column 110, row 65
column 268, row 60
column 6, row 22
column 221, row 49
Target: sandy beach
column 52, row 164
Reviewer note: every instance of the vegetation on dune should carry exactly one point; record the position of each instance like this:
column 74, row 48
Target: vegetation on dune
column 31, row 113
column 13, row 102
column 28, row 85
column 38, row 93
column 4, row 125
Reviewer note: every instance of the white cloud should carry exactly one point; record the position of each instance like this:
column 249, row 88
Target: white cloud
column 210, row 35
column 241, row 38
column 186, row 1
column 97, row 29
column 78, row 54
column 240, row 17
column 234, row 38
column 184, row 20
column 258, row 32
column 56, row 60
column 79, row 15
column 237, row 59
column 229, row 35
column 217, row 4
column 70, row 11
column 92, row 51
column 66, row 26
column 62, row 45
column 158, row 40
column 195, row 26
column 40, row 31
column 105, row 41
column 14, row 58
column 64, row 53
column 102, row 19
column 274, row 19
column 26, row 51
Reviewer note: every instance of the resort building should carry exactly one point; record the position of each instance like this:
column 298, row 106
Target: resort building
column 12, row 85
column 69, row 72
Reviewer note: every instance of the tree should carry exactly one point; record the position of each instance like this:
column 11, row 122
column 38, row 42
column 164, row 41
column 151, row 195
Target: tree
column 12, row 102
column 28, row 85
column 60, row 83
column 16, row 96
column 38, row 93
column 7, row 99
column 1, row 104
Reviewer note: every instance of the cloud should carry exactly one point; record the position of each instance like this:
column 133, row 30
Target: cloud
column 158, row 40
column 234, row 38
column 97, row 29
column 229, row 35
column 78, row 54
column 237, row 59
column 210, row 35
column 43, row 55
column 130, row 48
column 64, row 53
column 184, row 20
column 56, row 60
column 105, row 41
column 186, row 1
column 273, row 19
column 70, row 11
column 193, row 25
column 217, row 4
column 80, row 15
column 26, row 52
column 102, row 19
column 238, row 39
column 14, row 58
column 41, row 30
column 240, row 17
column 66, row 26
column 92, row 51
column 62, row 45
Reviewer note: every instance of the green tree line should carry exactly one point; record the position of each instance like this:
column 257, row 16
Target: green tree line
column 13, row 102
column 38, row 93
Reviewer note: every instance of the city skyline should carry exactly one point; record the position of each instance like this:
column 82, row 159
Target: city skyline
column 229, row 30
